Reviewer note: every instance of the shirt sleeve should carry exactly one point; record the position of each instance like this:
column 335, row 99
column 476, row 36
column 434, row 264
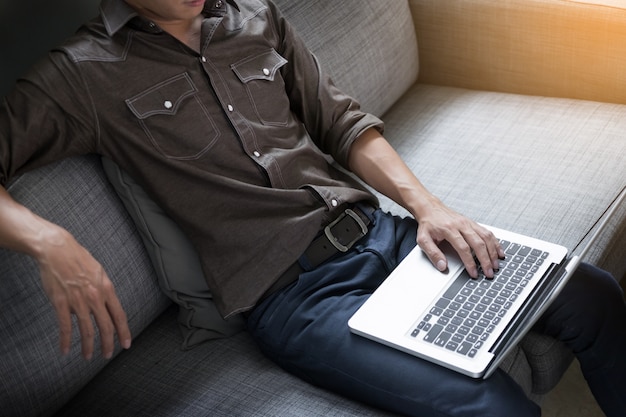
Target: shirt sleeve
column 47, row 116
column 332, row 118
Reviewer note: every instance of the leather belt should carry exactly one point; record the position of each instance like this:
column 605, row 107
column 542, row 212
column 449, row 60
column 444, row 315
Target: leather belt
column 338, row 237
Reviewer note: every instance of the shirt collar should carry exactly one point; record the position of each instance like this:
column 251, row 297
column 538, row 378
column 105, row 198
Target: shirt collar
column 117, row 13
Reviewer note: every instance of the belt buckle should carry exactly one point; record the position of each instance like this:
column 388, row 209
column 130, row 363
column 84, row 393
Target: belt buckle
column 333, row 240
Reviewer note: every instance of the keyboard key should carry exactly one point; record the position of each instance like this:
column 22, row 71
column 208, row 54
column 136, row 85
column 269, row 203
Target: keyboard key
column 489, row 315
column 478, row 330
column 512, row 249
column 463, row 313
column 443, row 339
column 433, row 333
column 436, row 311
column 464, row 348
column 456, row 321
column 455, row 287
column 451, row 328
column 452, row 346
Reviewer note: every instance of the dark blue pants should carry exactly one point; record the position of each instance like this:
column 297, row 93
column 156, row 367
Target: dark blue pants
column 304, row 329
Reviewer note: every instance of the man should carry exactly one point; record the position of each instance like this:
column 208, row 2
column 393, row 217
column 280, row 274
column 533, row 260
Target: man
column 223, row 99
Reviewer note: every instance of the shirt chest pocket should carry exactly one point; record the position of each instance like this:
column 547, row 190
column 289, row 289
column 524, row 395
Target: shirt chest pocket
column 174, row 119
column 265, row 86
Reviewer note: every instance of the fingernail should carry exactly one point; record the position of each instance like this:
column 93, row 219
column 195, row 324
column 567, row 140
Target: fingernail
column 441, row 265
column 108, row 355
column 126, row 344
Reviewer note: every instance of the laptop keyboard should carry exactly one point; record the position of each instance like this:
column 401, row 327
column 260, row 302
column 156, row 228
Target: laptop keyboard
column 471, row 309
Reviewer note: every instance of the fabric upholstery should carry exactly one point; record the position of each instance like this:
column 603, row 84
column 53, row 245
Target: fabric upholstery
column 36, row 378
column 223, row 378
column 546, row 167
column 377, row 75
column 175, row 261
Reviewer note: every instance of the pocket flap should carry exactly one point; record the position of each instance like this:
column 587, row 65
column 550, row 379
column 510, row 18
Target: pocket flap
column 259, row 67
column 163, row 98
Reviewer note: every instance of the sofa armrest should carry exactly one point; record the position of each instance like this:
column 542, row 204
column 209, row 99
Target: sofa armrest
column 561, row 48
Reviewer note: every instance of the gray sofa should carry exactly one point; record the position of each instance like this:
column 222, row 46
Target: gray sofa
column 511, row 111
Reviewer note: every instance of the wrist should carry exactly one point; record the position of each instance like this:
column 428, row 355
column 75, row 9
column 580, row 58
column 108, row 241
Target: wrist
column 48, row 238
column 423, row 206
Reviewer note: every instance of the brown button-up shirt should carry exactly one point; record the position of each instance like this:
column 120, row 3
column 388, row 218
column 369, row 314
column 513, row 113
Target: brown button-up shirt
column 231, row 141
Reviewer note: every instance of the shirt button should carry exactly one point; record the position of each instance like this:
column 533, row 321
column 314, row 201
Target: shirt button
column 219, row 4
column 230, row 108
column 334, row 202
column 167, row 104
column 257, row 154
column 266, row 71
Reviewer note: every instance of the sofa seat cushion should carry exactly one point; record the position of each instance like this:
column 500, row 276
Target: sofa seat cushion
column 221, row 378
column 546, row 167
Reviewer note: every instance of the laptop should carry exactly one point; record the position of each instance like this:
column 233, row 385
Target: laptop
column 464, row 324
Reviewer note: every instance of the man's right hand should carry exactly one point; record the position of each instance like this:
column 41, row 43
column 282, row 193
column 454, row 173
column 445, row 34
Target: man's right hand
column 73, row 280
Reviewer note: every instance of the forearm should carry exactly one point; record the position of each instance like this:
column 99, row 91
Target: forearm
column 73, row 280
column 23, row 231
column 379, row 165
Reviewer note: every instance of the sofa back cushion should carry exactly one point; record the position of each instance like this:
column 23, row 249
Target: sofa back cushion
column 368, row 47
column 74, row 193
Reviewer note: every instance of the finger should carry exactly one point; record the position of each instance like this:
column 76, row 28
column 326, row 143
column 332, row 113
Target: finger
column 464, row 250
column 496, row 251
column 113, row 319
column 487, row 250
column 480, row 253
column 64, row 318
column 432, row 251
column 105, row 327
column 96, row 298
column 120, row 321
column 87, row 332
column 101, row 301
